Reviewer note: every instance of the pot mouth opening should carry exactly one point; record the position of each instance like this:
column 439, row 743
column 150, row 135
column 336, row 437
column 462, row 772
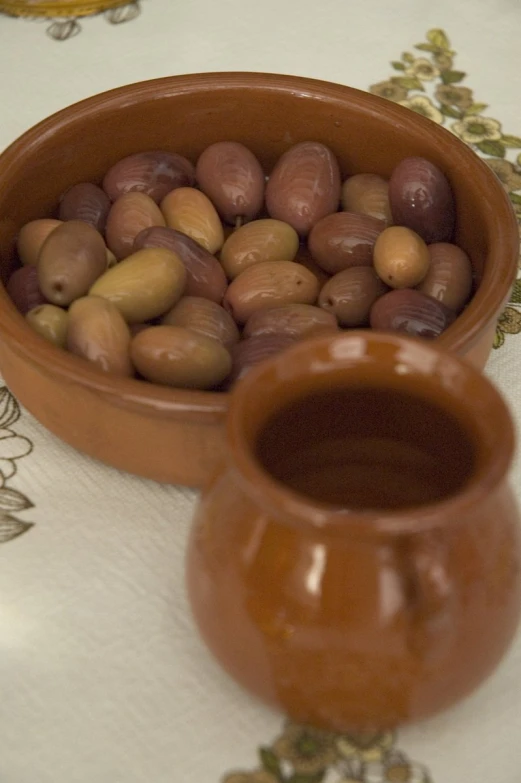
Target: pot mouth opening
column 375, row 446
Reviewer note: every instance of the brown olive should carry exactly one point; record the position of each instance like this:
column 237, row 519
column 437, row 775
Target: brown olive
column 254, row 350
column 173, row 356
column 261, row 240
column 350, row 294
column 233, row 179
column 401, row 257
column 31, row 238
column 421, row 198
column 204, row 274
column 145, row 285
column 72, row 257
column 412, row 312
column 153, row 173
column 296, row 320
column 130, row 215
column 97, row 332
column 86, row 202
column 24, row 289
column 269, row 284
column 367, row 194
column 191, row 212
column 449, row 279
column 344, row 239
column 204, row 316
column 304, row 186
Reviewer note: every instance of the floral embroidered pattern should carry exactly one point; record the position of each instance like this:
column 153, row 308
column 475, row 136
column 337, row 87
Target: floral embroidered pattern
column 65, row 13
column 12, row 448
column 305, row 755
column 430, row 85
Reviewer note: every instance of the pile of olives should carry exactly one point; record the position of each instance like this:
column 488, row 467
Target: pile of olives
column 189, row 275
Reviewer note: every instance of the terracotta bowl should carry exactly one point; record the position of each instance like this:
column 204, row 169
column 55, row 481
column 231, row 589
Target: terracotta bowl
column 175, row 435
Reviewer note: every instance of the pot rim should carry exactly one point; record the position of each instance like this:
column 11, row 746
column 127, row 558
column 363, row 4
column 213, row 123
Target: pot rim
column 342, row 353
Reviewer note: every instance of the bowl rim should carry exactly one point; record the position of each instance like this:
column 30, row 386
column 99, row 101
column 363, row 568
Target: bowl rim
column 489, row 299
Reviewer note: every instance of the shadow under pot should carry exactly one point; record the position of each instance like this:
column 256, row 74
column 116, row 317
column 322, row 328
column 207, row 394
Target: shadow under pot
column 355, row 561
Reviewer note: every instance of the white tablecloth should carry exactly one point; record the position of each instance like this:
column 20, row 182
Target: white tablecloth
column 102, row 676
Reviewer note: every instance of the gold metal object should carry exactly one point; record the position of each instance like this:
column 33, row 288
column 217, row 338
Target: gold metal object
column 58, row 8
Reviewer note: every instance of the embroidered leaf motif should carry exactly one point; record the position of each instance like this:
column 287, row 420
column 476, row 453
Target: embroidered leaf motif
column 11, row 527
column 398, row 66
column 495, row 148
column 448, row 111
column 409, row 82
column 12, row 500
column 62, row 31
column 438, row 38
column 125, row 13
column 515, row 198
column 423, row 47
column 9, row 409
column 511, row 141
column 299, row 777
column 270, row 762
column 452, row 77
column 499, row 338
column 516, row 293
column 476, row 108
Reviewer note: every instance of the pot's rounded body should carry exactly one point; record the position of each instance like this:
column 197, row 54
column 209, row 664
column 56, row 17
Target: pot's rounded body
column 361, row 619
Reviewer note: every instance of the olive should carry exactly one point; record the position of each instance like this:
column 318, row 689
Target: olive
column 31, row 238
column 350, row 294
column 50, row 322
column 130, row 215
column 401, row 257
column 296, row 320
column 97, row 332
column 173, row 356
column 153, row 173
column 367, row 194
column 145, row 285
column 261, row 240
column 344, row 239
column 86, row 202
column 449, row 279
column 204, row 316
column 191, row 212
column 24, row 289
column 204, row 274
column 421, row 198
column 412, row 312
column 269, row 284
column 72, row 257
column 233, row 179
column 304, row 186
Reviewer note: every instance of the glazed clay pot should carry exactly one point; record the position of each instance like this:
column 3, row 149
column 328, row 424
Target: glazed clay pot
column 355, row 560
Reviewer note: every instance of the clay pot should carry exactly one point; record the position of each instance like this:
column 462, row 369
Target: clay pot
column 355, row 561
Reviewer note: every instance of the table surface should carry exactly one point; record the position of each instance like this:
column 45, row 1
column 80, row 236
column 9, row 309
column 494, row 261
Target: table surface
column 103, row 677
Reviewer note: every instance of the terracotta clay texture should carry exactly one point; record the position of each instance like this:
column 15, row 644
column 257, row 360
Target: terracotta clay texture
column 355, row 561
column 177, row 436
